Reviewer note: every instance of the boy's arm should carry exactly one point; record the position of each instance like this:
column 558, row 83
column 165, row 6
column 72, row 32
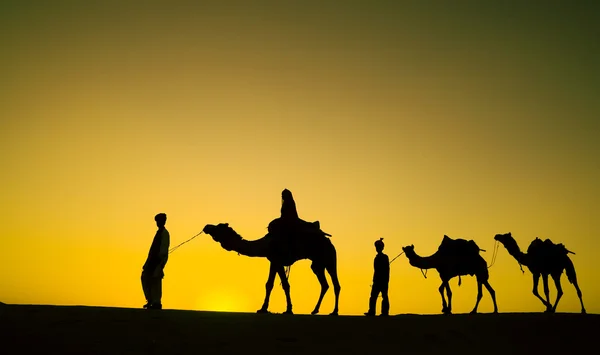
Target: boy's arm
column 165, row 240
column 375, row 268
column 154, row 261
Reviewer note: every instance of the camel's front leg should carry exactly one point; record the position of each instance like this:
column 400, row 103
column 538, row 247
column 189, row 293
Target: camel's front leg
column 536, row 282
column 286, row 288
column 269, row 288
column 449, row 293
column 446, row 308
column 547, row 293
column 559, row 291
column 444, row 305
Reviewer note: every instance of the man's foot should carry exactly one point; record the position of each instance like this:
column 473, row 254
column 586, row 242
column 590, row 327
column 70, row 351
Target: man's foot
column 384, row 315
column 147, row 305
column 155, row 306
column 369, row 314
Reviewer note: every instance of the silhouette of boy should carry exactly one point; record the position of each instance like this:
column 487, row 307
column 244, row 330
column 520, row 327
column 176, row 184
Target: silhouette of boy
column 152, row 272
column 381, row 278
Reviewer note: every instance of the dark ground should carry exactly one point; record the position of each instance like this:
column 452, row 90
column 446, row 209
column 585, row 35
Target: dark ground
column 28, row 329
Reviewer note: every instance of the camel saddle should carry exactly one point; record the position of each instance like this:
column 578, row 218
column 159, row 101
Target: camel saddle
column 547, row 248
column 275, row 226
column 459, row 247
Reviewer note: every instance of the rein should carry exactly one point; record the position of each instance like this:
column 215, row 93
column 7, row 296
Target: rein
column 495, row 255
column 175, row 248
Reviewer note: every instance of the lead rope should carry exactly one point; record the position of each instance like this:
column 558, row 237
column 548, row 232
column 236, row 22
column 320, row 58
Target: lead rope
column 175, row 248
column 396, row 257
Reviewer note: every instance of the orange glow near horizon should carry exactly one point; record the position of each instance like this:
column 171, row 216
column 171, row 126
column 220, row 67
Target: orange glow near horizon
column 379, row 126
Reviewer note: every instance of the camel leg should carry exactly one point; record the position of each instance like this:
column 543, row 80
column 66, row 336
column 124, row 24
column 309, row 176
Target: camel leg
column 269, row 288
column 547, row 293
column 492, row 293
column 536, row 282
column 286, row 288
column 479, row 295
column 332, row 270
column 319, row 271
column 444, row 305
column 579, row 295
column 559, row 291
column 449, row 293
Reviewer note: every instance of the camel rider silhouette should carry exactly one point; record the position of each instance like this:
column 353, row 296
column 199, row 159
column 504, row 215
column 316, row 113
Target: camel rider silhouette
column 288, row 225
column 288, row 207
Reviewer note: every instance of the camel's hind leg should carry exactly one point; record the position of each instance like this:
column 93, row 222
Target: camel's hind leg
column 479, row 295
column 579, row 295
column 492, row 294
column 559, row 291
column 319, row 271
column 332, row 270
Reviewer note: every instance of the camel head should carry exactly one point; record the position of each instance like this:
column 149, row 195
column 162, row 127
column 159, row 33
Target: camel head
column 409, row 251
column 508, row 241
column 504, row 238
column 224, row 234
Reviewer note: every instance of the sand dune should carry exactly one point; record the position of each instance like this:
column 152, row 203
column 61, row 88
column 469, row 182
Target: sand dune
column 97, row 330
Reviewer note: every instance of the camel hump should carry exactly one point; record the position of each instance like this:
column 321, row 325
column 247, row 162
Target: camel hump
column 459, row 246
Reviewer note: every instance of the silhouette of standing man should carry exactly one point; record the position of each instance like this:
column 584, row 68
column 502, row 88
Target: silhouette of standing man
column 158, row 255
column 381, row 278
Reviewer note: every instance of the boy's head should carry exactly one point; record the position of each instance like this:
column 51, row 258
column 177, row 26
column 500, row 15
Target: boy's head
column 379, row 245
column 161, row 219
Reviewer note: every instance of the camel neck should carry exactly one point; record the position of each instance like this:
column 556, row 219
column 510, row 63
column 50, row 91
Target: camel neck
column 423, row 262
column 253, row 248
column 513, row 249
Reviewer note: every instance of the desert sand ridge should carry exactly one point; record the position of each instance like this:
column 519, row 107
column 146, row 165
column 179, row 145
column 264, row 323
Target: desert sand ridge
column 105, row 330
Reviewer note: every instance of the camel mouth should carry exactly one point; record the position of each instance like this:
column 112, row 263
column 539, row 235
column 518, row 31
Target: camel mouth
column 208, row 228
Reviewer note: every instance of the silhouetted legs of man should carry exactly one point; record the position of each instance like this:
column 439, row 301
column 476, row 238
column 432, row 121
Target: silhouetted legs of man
column 385, row 302
column 152, row 286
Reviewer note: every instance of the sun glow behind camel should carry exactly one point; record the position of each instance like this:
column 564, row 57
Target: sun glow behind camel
column 395, row 121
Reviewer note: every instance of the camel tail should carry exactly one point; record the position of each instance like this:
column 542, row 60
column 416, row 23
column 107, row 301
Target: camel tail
column 570, row 270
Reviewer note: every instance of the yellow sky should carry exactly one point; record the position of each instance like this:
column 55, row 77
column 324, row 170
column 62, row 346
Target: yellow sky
column 406, row 123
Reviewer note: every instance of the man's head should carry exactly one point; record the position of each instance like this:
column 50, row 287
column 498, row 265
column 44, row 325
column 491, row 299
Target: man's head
column 379, row 245
column 161, row 219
